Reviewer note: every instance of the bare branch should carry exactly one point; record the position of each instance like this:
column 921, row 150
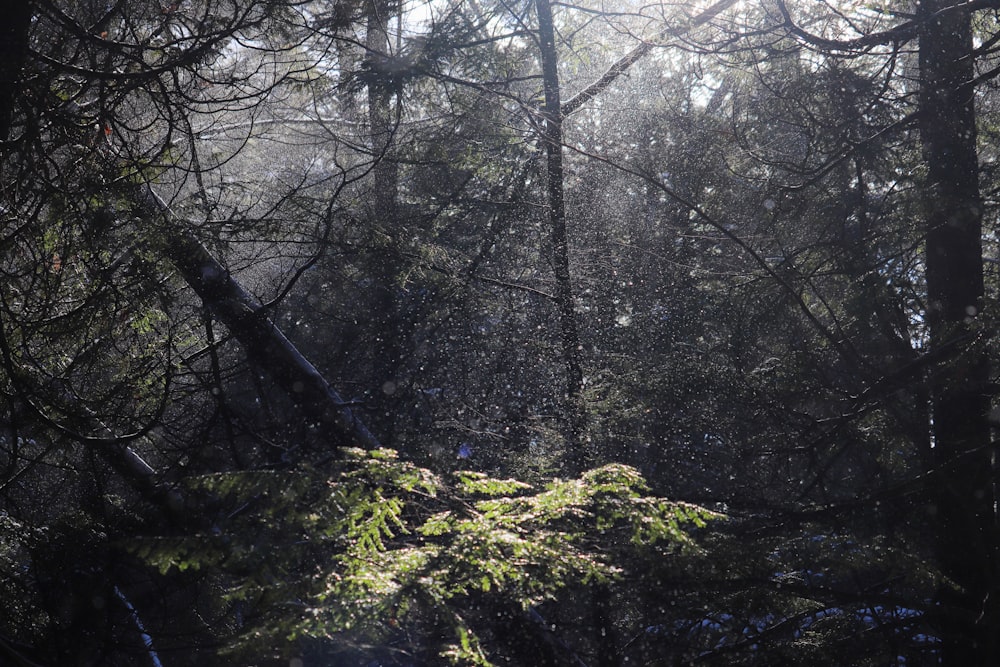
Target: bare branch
column 636, row 54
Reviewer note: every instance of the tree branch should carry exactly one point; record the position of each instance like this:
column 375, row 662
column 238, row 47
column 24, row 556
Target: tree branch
column 636, row 54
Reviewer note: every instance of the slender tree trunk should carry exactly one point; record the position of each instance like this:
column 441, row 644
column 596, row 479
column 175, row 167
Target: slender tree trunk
column 961, row 492
column 380, row 111
column 579, row 454
column 572, row 352
column 391, row 330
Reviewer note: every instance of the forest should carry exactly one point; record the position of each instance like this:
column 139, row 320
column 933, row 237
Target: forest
column 534, row 333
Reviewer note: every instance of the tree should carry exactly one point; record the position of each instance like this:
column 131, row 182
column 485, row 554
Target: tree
column 94, row 333
column 760, row 229
column 552, row 141
column 963, row 477
column 956, row 432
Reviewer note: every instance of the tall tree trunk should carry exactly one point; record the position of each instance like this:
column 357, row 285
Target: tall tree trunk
column 961, row 490
column 576, row 415
column 391, row 330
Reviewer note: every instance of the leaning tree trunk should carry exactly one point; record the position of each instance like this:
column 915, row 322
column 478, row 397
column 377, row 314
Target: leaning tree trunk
column 961, row 483
column 263, row 342
column 265, row 345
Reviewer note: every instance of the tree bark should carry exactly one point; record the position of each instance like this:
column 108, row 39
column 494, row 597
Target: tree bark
column 391, row 331
column 961, row 492
column 264, row 343
column 565, row 297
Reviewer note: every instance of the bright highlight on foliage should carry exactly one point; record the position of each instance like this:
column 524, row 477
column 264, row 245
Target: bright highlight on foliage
column 398, row 549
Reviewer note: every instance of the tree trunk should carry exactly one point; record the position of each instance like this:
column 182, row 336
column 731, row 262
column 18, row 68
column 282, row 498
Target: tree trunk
column 961, row 485
column 391, row 330
column 265, row 345
column 576, row 415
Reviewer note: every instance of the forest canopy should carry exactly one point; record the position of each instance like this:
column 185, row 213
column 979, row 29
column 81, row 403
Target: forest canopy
column 493, row 332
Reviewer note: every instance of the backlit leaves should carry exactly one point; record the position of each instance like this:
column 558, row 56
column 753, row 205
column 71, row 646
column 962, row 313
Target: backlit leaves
column 394, row 550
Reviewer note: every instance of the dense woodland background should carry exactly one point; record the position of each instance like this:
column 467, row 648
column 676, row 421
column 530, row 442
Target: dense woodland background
column 498, row 332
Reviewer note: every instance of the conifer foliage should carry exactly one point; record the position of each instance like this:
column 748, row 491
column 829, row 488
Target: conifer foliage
column 498, row 332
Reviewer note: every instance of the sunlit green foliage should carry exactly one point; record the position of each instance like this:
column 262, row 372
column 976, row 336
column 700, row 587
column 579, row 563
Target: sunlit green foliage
column 376, row 548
